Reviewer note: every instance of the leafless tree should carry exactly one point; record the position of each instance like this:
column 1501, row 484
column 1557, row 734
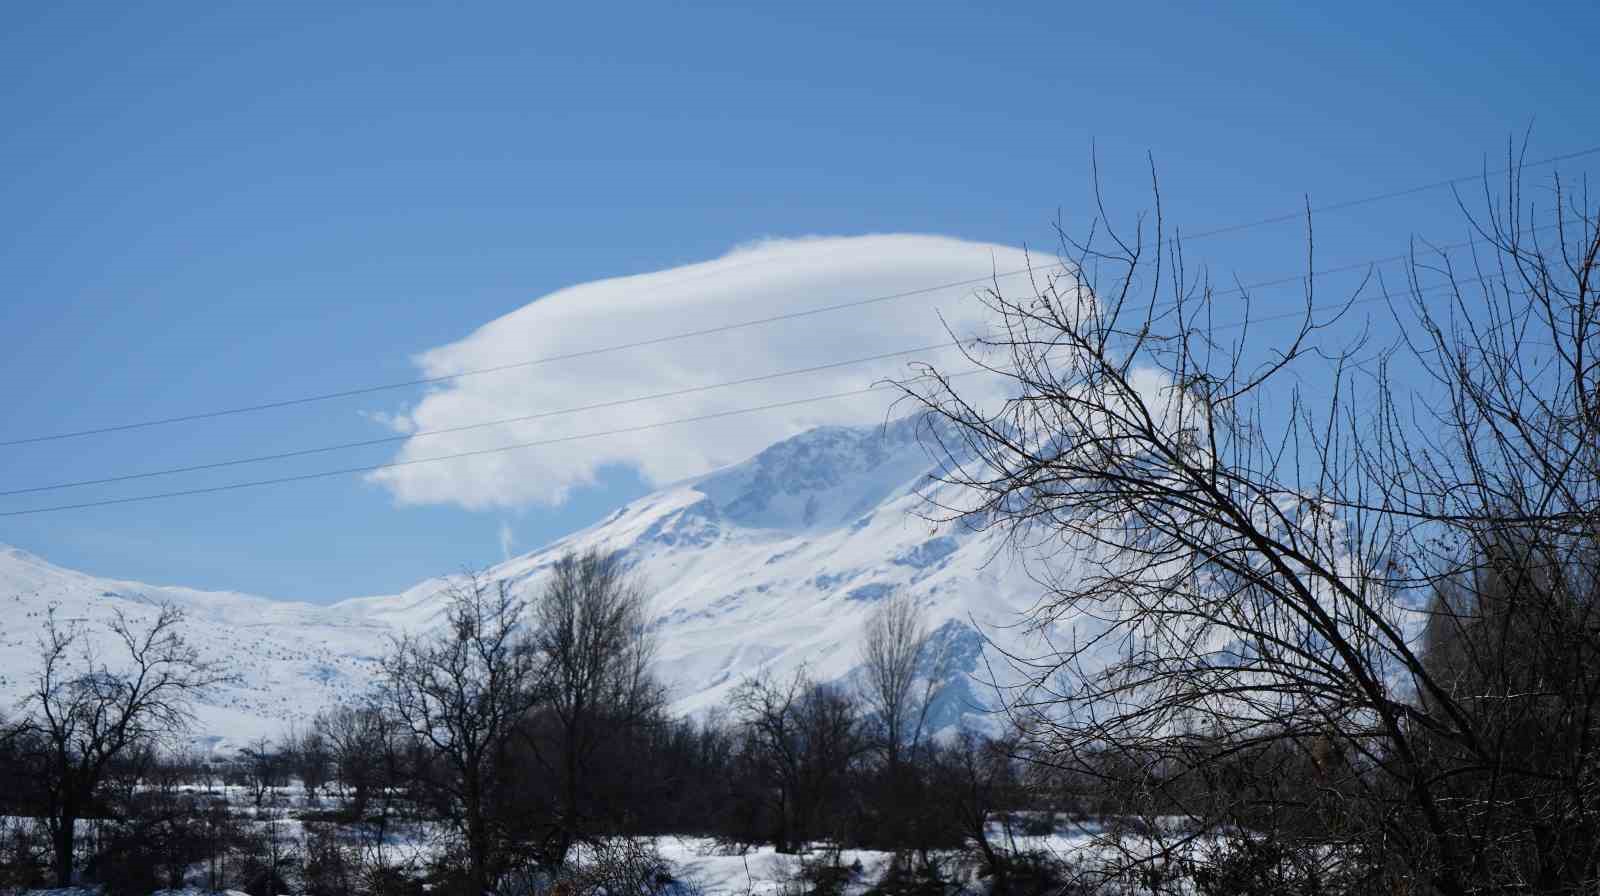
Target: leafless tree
column 594, row 651
column 262, row 768
column 271, row 857
column 222, row 832
column 88, row 712
column 803, row 738
column 1238, row 543
column 901, row 675
column 974, row 779
column 461, row 693
column 312, row 759
column 894, row 651
column 359, row 742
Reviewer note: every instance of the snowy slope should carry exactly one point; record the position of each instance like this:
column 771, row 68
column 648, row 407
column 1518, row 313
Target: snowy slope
column 772, row 563
column 289, row 658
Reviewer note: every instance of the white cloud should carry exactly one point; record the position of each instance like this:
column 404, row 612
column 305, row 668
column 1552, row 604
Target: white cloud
column 400, row 423
column 508, row 540
column 752, row 281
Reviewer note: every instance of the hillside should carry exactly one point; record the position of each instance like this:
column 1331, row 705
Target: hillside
column 771, row 563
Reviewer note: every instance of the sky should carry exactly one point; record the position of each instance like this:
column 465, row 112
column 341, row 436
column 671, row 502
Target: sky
column 214, row 205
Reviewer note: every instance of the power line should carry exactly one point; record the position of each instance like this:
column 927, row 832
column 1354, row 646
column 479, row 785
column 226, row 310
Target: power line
column 323, row 449
column 344, row 471
column 707, row 331
column 548, row 359
column 1393, row 194
column 372, row 468
column 364, row 443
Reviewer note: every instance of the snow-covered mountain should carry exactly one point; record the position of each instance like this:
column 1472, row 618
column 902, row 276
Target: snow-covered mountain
column 772, row 563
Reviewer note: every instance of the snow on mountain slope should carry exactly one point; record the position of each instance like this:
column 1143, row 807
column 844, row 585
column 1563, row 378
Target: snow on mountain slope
column 777, row 562
column 289, row 658
column 771, row 564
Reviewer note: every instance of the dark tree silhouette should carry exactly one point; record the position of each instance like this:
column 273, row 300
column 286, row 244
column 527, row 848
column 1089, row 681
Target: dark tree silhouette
column 1235, row 565
column 803, row 738
column 88, row 712
column 594, row 653
column 461, row 694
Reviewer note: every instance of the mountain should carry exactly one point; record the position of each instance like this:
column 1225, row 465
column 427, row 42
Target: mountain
column 774, row 563
column 289, row 658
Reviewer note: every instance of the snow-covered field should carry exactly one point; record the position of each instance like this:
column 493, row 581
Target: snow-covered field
column 710, row 869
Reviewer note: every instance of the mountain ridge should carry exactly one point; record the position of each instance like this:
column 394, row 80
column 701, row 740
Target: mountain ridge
column 771, row 564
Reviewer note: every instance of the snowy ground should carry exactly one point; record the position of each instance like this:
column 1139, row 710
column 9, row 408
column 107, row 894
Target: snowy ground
column 712, row 869
column 759, row 872
column 86, row 891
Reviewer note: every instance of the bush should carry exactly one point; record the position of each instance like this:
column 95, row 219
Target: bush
column 901, row 880
column 1038, row 824
column 1028, row 873
column 329, row 868
column 823, row 876
column 619, row 866
column 270, row 858
column 1245, row 865
column 393, row 882
column 124, row 872
column 24, row 852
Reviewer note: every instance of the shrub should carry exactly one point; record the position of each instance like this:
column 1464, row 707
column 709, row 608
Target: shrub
column 903, row 880
column 1247, row 865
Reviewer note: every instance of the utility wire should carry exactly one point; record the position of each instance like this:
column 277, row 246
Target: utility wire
column 363, row 443
column 372, row 468
column 689, row 334
column 1394, row 194
column 344, row 471
column 548, row 359
column 323, row 449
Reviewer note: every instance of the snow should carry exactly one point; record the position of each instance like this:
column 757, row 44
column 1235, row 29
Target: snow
column 714, row 870
column 759, row 872
column 92, row 891
column 771, row 564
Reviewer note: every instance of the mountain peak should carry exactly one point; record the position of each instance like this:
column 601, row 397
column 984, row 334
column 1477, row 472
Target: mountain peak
column 823, row 477
column 769, row 565
column 8, row 552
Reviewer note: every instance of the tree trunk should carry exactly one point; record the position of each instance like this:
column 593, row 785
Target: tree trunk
column 477, row 845
column 65, row 841
column 569, row 795
column 782, row 840
column 1001, row 880
column 477, row 830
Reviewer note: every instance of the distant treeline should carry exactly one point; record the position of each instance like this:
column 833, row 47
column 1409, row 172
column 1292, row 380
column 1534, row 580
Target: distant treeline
column 523, row 742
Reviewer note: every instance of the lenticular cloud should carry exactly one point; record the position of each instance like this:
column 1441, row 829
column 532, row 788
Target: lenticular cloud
column 773, row 277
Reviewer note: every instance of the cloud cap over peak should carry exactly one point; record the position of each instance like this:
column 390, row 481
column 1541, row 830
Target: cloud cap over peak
column 757, row 280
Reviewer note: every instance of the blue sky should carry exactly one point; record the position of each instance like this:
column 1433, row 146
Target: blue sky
column 219, row 204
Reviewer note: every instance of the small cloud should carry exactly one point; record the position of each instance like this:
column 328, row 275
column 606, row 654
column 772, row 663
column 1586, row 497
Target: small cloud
column 508, row 539
column 401, row 422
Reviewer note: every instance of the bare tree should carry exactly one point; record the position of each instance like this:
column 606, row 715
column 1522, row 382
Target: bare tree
column 461, row 693
column 802, row 737
column 271, row 857
column 358, row 741
column 88, row 712
column 1231, row 564
column 901, row 676
column 594, row 650
column 894, row 651
column 262, row 767
column 974, row 778
column 312, row 759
